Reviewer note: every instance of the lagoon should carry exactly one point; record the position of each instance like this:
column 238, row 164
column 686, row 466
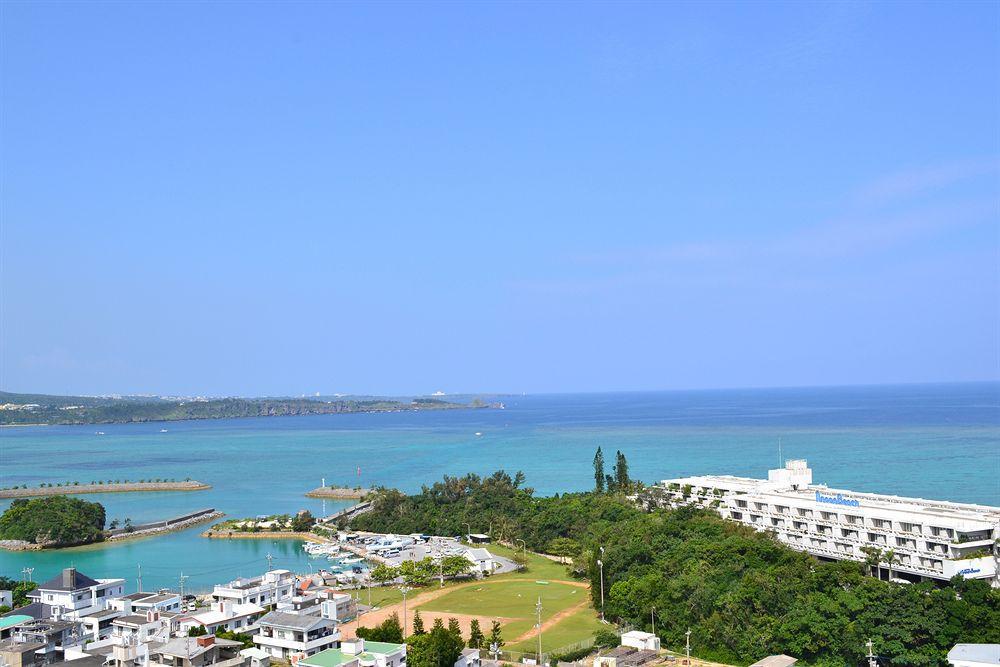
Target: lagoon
column 934, row 441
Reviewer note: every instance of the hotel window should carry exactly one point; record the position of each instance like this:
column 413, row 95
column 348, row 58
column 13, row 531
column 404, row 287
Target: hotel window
column 805, row 512
column 737, row 515
column 881, row 523
column 800, row 525
column 741, row 503
column 844, row 532
column 909, row 527
column 781, row 509
column 829, row 516
column 760, row 506
column 853, row 519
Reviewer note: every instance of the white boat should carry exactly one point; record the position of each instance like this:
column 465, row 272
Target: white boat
column 478, row 434
column 163, row 430
column 100, row 433
column 317, row 550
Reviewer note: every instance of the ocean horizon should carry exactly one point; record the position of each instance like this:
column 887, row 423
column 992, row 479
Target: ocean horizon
column 936, row 441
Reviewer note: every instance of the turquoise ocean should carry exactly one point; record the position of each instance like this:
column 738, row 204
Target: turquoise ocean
column 937, row 441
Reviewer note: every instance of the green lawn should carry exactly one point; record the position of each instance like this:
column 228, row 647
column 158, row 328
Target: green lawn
column 512, row 599
column 382, row 596
column 581, row 625
column 538, row 566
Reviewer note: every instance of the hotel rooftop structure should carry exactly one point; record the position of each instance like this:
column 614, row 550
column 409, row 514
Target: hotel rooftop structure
column 930, row 539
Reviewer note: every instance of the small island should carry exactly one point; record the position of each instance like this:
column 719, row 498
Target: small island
column 300, row 526
column 55, row 521
column 118, row 486
column 60, row 521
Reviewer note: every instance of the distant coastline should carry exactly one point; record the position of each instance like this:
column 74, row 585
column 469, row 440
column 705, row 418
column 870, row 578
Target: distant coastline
column 115, row 487
column 44, row 410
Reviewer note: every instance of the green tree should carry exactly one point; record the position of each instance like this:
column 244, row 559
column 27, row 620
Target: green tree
column 197, row 631
column 476, row 637
column 303, row 522
column 418, row 623
column 382, row 573
column 496, row 642
column 390, row 630
column 622, row 482
column 599, row 471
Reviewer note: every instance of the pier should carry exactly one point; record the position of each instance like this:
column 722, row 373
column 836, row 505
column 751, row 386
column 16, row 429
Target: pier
column 347, row 513
column 166, row 525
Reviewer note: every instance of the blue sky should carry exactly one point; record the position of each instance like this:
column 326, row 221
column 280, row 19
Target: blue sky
column 259, row 198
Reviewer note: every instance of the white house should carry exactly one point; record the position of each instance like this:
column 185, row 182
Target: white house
column 269, row 588
column 74, row 594
column 143, row 602
column 482, row 561
column 224, row 615
column 974, row 655
column 284, row 635
column 644, row 641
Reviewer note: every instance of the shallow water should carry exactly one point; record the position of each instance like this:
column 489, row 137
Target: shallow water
column 933, row 441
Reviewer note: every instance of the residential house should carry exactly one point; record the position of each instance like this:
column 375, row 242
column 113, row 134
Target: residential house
column 224, row 615
column 74, row 594
column 268, row 589
column 197, row 652
column 283, row 635
column 641, row 640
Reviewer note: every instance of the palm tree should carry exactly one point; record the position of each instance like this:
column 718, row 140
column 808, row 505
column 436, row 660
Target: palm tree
column 873, row 556
column 890, row 559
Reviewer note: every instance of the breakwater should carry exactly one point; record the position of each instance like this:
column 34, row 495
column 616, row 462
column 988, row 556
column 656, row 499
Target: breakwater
column 155, row 527
column 339, row 493
column 114, row 487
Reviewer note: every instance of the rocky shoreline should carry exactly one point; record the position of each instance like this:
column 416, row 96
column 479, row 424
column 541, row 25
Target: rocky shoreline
column 122, row 487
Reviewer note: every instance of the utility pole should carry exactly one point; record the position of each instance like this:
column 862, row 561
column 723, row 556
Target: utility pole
column 872, row 661
column 139, row 579
column 183, row 579
column 524, row 550
column 652, row 618
column 26, row 574
column 468, row 528
column 687, row 646
column 404, row 590
column 538, row 614
column 269, row 559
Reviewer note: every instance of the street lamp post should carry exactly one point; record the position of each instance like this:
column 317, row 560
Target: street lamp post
column 468, row 532
column 404, row 590
column 524, row 550
column 538, row 613
column 687, row 646
column 600, row 564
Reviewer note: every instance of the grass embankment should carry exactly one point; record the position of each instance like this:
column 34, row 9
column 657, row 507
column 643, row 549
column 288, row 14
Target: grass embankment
column 114, row 487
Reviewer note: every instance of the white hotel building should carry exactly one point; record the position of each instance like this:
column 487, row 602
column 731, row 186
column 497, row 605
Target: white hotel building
column 931, row 539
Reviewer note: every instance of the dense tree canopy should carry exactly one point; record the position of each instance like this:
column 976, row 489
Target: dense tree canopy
column 743, row 594
column 53, row 521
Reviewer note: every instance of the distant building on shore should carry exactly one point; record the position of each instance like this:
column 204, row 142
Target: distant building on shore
column 928, row 539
